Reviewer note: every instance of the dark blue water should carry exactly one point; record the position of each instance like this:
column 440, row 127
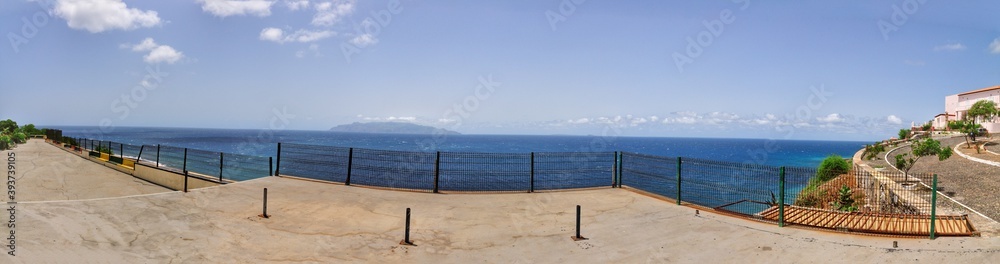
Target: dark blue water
column 739, row 175
column 263, row 143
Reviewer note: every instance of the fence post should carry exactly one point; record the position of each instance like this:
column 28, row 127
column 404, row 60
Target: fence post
column 277, row 164
column 157, row 155
column 678, row 180
column 185, row 159
column 532, row 188
column 137, row 158
column 270, row 166
column 121, row 150
column 614, row 172
column 781, row 196
column 933, row 206
column 185, row 181
column 350, row 164
column 437, row 171
column 621, row 169
column 220, row 167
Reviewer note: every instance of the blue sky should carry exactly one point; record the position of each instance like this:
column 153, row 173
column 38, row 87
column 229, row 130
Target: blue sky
column 851, row 70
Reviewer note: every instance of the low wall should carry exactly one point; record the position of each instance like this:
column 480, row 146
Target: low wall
column 169, row 179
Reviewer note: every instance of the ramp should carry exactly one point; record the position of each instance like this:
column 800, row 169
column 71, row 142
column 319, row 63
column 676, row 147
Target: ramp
column 872, row 223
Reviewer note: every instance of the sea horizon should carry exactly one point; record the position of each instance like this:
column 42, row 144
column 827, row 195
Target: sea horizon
column 262, row 142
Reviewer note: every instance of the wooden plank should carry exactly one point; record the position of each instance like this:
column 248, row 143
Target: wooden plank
column 871, row 222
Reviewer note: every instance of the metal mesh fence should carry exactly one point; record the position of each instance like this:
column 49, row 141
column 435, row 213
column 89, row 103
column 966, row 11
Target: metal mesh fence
column 314, row 162
column 878, row 192
column 653, row 174
column 130, row 151
column 238, row 167
column 171, row 158
column 207, row 163
column 485, row 172
column 735, row 187
column 394, row 169
column 149, row 155
column 571, row 170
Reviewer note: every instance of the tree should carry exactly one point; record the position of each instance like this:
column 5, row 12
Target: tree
column 985, row 109
column 30, row 130
column 919, row 149
column 8, row 126
column 904, row 133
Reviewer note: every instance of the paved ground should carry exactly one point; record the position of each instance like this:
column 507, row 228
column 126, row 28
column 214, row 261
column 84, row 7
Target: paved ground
column 46, row 173
column 328, row 223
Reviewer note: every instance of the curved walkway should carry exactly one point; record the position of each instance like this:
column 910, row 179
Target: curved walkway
column 46, row 173
column 988, row 158
column 968, row 183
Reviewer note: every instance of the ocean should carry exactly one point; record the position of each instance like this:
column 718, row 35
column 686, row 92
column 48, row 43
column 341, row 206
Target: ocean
column 792, row 153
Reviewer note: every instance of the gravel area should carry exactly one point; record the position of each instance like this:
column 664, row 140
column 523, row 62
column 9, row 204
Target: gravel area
column 972, row 183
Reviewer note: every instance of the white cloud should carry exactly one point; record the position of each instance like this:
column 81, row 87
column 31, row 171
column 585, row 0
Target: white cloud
column 302, row 35
column 831, row 118
column 329, row 13
column 103, row 15
column 995, row 46
column 685, row 120
column 272, row 34
column 579, row 121
column 224, row 8
column 145, row 45
column 310, row 36
column 950, row 47
column 638, row 121
column 893, row 119
column 296, row 5
column 157, row 53
column 364, row 40
column 402, row 118
column 163, row 53
column 393, row 118
column 314, row 48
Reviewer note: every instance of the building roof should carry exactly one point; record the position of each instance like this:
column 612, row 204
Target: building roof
column 944, row 114
column 980, row 90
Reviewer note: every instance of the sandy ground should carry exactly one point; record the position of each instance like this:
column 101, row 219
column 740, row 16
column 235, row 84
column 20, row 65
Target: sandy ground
column 328, row 223
column 46, row 173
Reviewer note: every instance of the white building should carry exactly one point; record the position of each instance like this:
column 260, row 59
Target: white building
column 957, row 105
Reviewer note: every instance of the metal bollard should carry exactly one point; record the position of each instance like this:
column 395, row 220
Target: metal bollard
column 264, row 215
column 406, row 237
column 578, row 237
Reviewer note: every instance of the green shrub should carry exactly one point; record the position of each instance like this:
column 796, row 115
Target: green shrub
column 832, row 166
column 6, row 142
column 105, row 149
column 872, row 151
column 19, row 138
column 70, row 141
column 904, row 133
column 845, row 200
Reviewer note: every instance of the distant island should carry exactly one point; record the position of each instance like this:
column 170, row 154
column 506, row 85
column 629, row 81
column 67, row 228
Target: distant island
column 391, row 128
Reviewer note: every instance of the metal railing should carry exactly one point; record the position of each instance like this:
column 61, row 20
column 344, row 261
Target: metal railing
column 219, row 166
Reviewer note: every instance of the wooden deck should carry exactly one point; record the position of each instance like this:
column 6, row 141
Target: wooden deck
column 884, row 224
